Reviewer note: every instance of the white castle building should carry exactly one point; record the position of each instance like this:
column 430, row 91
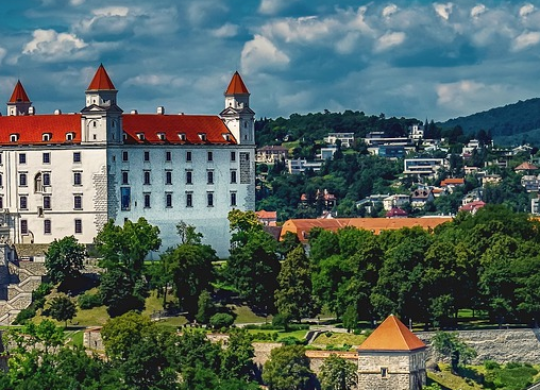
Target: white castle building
column 67, row 174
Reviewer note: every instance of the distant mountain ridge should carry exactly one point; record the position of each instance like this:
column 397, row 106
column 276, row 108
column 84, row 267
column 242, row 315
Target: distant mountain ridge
column 512, row 124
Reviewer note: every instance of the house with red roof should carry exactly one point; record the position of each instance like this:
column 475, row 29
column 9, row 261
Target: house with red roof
column 68, row 174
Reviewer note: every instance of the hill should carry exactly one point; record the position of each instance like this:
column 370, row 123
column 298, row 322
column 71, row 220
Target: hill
column 511, row 124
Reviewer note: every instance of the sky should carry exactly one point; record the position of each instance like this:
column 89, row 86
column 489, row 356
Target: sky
column 421, row 59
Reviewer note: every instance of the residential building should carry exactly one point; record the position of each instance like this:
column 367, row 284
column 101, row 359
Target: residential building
column 271, row 154
column 396, row 200
column 346, row 139
column 267, row 218
column 423, row 167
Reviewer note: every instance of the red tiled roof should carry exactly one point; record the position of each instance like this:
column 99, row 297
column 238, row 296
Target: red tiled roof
column 454, row 182
column 526, row 166
column 263, row 214
column 478, row 204
column 32, row 127
column 101, row 80
column 396, row 212
column 391, row 335
column 237, row 86
column 19, row 94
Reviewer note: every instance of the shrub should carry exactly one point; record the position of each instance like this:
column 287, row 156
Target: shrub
column 221, row 320
column 280, row 321
column 42, row 291
column 24, row 316
column 88, row 301
column 290, row 340
column 491, row 365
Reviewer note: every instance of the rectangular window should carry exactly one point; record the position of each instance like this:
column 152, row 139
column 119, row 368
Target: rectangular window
column 189, row 199
column 210, row 156
column 1, row 180
column 146, row 201
column 233, row 177
column 147, row 178
column 22, row 180
column 47, row 202
column 47, row 226
column 233, row 156
column 46, row 158
column 46, row 179
column 168, row 199
column 76, row 157
column 24, row 226
column 125, row 156
column 125, row 177
column 188, row 156
column 210, row 199
column 146, row 156
column 168, row 177
column 77, row 202
column 233, row 198
column 78, row 226
column 189, row 177
column 125, row 198
column 384, row 372
column 23, row 203
column 22, row 158
column 168, row 156
column 210, row 177
column 77, row 178
column 1, row 202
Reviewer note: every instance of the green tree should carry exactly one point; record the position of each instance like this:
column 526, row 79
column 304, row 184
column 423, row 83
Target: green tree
column 61, row 308
column 205, row 308
column 120, row 293
column 338, row 374
column 237, row 357
column 65, row 259
column 449, row 344
column 287, row 369
column 293, row 297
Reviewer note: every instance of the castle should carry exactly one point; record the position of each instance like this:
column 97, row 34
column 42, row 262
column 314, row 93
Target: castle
column 68, row 174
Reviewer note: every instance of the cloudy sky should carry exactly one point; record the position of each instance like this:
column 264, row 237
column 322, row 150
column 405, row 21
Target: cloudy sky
column 403, row 58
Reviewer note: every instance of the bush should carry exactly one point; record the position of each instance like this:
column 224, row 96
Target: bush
column 42, row 291
column 290, row 340
column 24, row 316
column 221, row 320
column 280, row 321
column 491, row 365
column 88, row 301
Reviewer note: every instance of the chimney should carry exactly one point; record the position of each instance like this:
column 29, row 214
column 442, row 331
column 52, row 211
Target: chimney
column 161, row 110
column 57, row 112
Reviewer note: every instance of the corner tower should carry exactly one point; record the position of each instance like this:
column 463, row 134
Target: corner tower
column 237, row 115
column 19, row 103
column 101, row 119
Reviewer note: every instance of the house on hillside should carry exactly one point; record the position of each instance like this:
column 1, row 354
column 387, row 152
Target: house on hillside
column 421, row 196
column 526, row 168
column 267, row 218
column 346, row 139
column 272, row 154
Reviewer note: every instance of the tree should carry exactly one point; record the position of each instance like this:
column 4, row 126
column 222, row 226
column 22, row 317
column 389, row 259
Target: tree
column 338, row 374
column 64, row 259
column 120, row 293
column 287, row 369
column 237, row 357
column 449, row 344
column 205, row 307
column 293, row 296
column 62, row 308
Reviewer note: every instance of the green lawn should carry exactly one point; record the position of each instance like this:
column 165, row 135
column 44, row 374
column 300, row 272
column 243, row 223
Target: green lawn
column 339, row 339
column 244, row 315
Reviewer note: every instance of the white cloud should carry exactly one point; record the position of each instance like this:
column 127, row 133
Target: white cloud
column 228, row 30
column 388, row 40
column 478, row 10
column 51, row 46
column 261, row 53
column 272, row 7
column 389, row 10
column 527, row 9
column 76, row 2
column 155, row 80
column 111, row 11
column 525, row 40
column 444, row 10
column 453, row 93
column 305, row 29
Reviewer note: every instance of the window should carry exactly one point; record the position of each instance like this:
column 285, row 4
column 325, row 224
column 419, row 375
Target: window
column 125, row 177
column 141, row 136
column 47, row 202
column 1, row 180
column 22, row 180
column 46, row 158
column 168, row 199
column 233, row 156
column 24, row 226
column 146, row 177
column 22, row 158
column 182, row 136
column 13, row 137
column 125, row 198
column 168, row 177
column 202, row 136
column 76, row 157
column 77, row 178
column 69, row 136
column 188, row 156
column 77, row 202
column 210, row 199
column 189, row 177
column 146, row 201
column 46, row 179
column 162, row 136
column 210, row 177
column 1, row 202
column 168, row 156
column 210, row 156
column 78, row 226
column 189, row 199
column 125, row 156
column 46, row 137
column 233, row 198
column 146, row 156
column 233, row 177
column 23, row 202
column 384, row 372
column 47, row 226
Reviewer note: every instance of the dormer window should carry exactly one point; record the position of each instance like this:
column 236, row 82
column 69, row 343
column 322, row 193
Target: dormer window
column 70, row 136
column 182, row 136
column 226, row 137
column 46, row 137
column 161, row 136
column 141, row 136
column 13, row 137
column 202, row 136
column 124, row 135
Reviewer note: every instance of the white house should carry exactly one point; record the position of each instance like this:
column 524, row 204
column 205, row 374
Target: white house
column 67, row 174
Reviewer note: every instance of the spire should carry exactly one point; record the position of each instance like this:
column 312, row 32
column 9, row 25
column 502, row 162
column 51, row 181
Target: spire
column 101, row 81
column 237, row 86
column 392, row 335
column 19, row 94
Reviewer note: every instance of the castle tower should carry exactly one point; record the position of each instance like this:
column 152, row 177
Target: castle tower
column 101, row 119
column 237, row 115
column 392, row 358
column 19, row 103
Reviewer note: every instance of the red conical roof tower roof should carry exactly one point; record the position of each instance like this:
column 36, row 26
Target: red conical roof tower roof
column 237, row 86
column 101, row 80
column 19, row 94
column 391, row 335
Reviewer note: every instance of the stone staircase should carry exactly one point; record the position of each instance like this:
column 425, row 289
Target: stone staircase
column 17, row 281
